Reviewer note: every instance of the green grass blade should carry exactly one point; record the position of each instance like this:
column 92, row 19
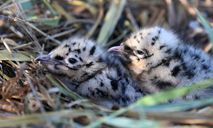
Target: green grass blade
column 157, row 98
column 111, row 20
column 164, row 96
column 206, row 25
column 15, row 56
column 64, row 89
column 174, row 107
column 123, row 122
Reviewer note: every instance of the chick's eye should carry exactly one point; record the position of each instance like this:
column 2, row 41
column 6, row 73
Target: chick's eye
column 72, row 60
column 127, row 48
column 59, row 57
column 140, row 52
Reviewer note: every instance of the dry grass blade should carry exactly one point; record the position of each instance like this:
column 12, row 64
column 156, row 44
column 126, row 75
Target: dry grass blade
column 6, row 45
column 55, row 117
column 61, row 11
column 189, row 8
column 4, row 76
column 28, row 31
column 84, row 4
column 34, row 93
column 183, row 117
column 98, row 21
column 21, row 21
column 132, row 19
column 171, row 12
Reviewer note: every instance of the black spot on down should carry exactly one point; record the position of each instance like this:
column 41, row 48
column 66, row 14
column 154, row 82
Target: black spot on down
column 163, row 84
column 114, row 84
column 84, row 49
column 66, row 46
column 58, row 57
column 100, row 93
column 101, row 84
column 189, row 73
column 205, row 67
column 89, row 64
column 175, row 70
column 92, row 51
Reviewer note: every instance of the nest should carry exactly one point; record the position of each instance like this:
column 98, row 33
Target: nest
column 30, row 96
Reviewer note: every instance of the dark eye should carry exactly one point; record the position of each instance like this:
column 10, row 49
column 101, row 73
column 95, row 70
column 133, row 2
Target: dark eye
column 127, row 48
column 59, row 57
column 72, row 60
column 140, row 52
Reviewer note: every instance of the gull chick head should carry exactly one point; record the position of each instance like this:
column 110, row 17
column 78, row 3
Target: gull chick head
column 77, row 58
column 146, row 47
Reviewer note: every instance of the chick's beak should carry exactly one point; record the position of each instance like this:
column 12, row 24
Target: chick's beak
column 43, row 58
column 119, row 49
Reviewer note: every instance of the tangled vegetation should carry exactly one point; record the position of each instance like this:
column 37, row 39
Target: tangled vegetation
column 30, row 96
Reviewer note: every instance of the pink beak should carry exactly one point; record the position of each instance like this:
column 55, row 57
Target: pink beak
column 116, row 48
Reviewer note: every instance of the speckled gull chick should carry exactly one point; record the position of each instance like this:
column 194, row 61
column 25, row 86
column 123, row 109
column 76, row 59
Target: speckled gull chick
column 160, row 59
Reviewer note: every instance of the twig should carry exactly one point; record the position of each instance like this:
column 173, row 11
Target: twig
column 208, row 47
column 94, row 27
column 62, row 33
column 34, row 92
column 116, row 39
column 131, row 18
column 23, row 45
column 33, row 27
column 191, row 10
column 3, row 6
column 88, row 21
column 171, row 13
column 6, row 46
column 19, row 34
column 62, row 11
column 19, row 12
